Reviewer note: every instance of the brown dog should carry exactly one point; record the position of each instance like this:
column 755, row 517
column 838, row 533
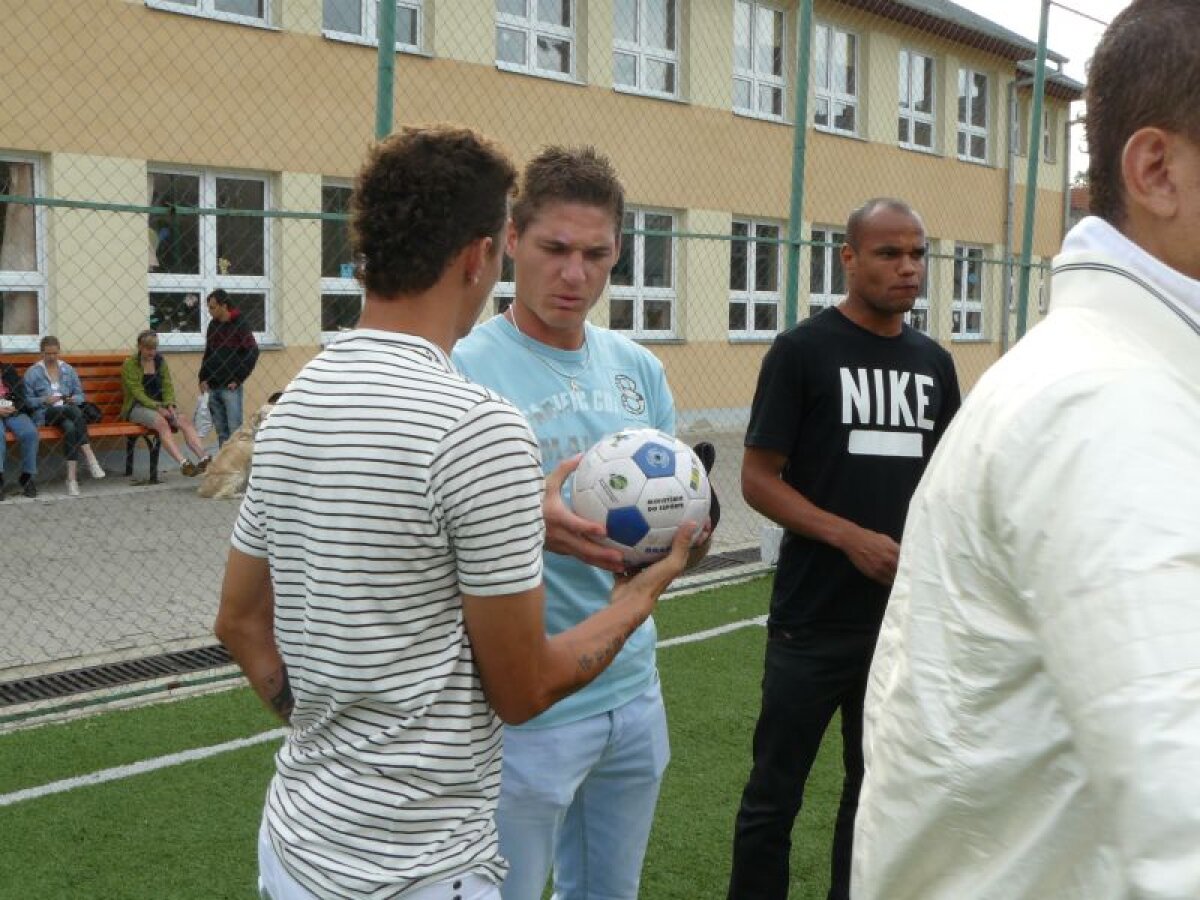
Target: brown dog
column 230, row 469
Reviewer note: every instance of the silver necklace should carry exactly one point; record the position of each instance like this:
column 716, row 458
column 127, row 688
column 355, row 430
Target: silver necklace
column 530, row 347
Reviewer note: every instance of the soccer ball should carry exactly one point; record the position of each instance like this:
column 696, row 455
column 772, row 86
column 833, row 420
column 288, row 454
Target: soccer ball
column 640, row 484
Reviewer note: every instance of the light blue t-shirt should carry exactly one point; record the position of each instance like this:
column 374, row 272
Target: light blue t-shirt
column 617, row 384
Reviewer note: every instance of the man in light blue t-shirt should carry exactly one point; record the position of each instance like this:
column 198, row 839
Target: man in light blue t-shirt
column 579, row 782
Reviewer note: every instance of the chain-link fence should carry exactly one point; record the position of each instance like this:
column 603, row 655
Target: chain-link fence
column 154, row 151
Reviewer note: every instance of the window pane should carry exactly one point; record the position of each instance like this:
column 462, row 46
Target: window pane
column 174, row 312
column 253, row 308
column 625, row 20
column 962, row 144
column 923, row 88
column 820, row 51
column 174, row 237
column 620, row 314
column 252, row 8
column 741, row 94
column 821, row 114
column 511, row 7
column 978, row 147
column 979, row 101
column 905, row 80
column 737, row 316
column 660, row 76
column 336, row 260
column 919, row 319
column 766, row 264
column 18, row 314
column 407, row 26
column 974, row 322
column 816, row 269
column 768, row 42
column 343, row 15
column 838, row 279
column 844, row 119
column 501, row 303
column 770, row 100
column 241, row 240
column 814, row 308
column 18, row 221
column 923, row 134
column 903, row 130
column 765, row 315
column 956, row 321
column 741, row 35
column 553, row 55
column 657, row 254
column 659, row 29
column 958, row 275
column 555, row 12
column 339, row 312
column 622, row 272
column 848, row 47
column 510, row 46
column 625, row 69
column 657, row 315
column 738, row 258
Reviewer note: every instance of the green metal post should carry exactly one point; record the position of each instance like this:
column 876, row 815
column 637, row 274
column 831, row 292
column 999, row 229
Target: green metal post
column 799, row 147
column 384, row 89
column 1035, row 146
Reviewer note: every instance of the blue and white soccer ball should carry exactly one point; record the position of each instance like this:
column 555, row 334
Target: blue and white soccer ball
column 640, row 484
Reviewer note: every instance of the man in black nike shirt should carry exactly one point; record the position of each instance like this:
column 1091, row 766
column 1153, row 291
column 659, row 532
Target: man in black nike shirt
column 849, row 407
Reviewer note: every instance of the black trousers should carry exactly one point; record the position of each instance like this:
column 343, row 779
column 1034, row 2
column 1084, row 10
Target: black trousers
column 74, row 426
column 807, row 677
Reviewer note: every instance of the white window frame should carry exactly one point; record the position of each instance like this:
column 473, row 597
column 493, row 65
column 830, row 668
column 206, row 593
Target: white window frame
column 749, row 296
column 826, row 240
column 207, row 9
column 344, row 284
column 504, row 294
column 964, row 255
column 643, row 53
column 966, row 130
column 638, row 292
column 755, row 79
column 208, row 278
column 910, row 114
column 532, row 27
column 825, row 33
column 369, row 16
column 34, row 281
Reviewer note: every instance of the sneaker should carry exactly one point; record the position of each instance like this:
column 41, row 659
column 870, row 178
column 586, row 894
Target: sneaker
column 96, row 469
column 188, row 468
column 202, row 466
column 29, row 489
column 73, row 488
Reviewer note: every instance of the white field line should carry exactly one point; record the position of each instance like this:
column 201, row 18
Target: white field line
column 174, row 759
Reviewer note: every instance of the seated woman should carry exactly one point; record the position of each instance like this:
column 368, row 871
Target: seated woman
column 14, row 417
column 150, row 402
column 56, row 396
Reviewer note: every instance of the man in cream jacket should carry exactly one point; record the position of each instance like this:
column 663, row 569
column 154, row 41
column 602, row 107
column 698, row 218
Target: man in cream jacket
column 1033, row 714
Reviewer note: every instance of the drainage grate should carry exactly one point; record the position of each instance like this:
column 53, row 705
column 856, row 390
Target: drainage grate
column 96, row 678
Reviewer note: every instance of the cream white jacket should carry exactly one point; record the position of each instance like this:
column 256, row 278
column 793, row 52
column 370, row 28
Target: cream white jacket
column 1033, row 714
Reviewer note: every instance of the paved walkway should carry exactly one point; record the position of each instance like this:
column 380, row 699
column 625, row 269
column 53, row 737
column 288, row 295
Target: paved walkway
column 125, row 571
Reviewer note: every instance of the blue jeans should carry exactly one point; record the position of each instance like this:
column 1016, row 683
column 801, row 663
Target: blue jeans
column 226, row 408
column 26, row 434
column 581, row 797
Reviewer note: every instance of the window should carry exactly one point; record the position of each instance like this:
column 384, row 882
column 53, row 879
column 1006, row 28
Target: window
column 916, row 128
column 835, row 73
column 758, row 59
column 966, row 316
column 972, row 115
column 754, row 278
column 191, row 255
column 358, row 20
column 251, row 12
column 536, row 36
column 341, row 294
column 646, row 46
column 1048, row 136
column 642, row 285
column 22, row 255
column 918, row 316
column 826, row 278
column 505, row 290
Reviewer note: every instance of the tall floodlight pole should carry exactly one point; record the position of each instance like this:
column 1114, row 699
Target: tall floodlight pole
column 799, row 145
column 1035, row 146
column 386, row 70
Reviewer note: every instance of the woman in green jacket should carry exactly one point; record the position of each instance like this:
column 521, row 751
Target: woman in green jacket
column 150, row 402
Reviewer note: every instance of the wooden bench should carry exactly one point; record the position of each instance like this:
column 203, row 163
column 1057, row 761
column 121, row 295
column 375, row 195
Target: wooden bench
column 100, row 375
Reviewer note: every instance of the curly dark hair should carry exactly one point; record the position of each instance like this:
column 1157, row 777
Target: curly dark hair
column 422, row 196
column 568, row 175
column 1145, row 73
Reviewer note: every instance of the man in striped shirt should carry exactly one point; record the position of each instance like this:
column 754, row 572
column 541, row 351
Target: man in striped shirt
column 384, row 584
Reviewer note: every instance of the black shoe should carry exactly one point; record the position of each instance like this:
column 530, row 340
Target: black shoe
column 29, row 489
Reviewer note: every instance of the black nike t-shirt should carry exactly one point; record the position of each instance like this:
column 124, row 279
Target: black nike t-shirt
column 858, row 416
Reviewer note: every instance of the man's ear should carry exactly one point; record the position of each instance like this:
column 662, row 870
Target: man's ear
column 847, row 256
column 475, row 256
column 1147, row 174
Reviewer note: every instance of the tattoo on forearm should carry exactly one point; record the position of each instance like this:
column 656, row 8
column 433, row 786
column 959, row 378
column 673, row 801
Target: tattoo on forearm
column 279, row 693
column 589, row 662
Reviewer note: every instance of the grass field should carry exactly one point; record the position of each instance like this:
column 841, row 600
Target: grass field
column 188, row 830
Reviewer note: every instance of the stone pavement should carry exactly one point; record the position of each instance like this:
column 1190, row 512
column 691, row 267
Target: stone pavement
column 126, row 571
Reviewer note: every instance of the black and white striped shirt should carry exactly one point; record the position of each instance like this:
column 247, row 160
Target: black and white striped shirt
column 384, row 486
